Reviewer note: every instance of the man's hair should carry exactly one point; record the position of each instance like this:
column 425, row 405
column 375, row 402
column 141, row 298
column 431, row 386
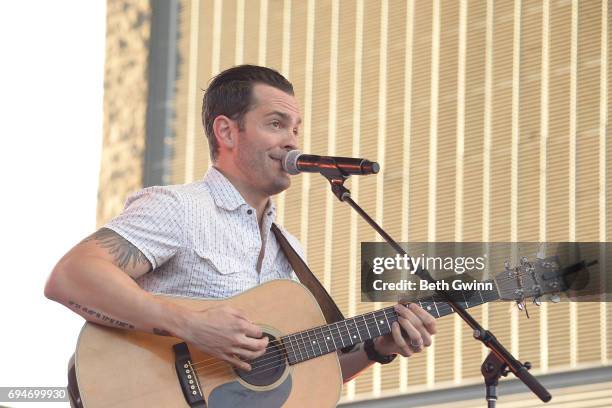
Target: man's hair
column 230, row 93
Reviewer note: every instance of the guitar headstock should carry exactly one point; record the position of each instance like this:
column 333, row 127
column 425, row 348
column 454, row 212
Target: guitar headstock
column 534, row 279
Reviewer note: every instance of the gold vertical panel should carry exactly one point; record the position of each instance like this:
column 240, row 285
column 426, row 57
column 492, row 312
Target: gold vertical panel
column 419, row 150
column 394, row 164
column 319, row 186
column 445, row 128
column 501, row 154
column 297, row 76
column 251, row 31
column 366, row 196
column 228, row 35
column 274, row 41
column 473, row 158
column 557, row 222
column 587, row 165
column 528, row 226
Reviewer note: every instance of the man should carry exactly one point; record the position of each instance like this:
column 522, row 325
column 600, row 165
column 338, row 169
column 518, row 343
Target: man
column 211, row 238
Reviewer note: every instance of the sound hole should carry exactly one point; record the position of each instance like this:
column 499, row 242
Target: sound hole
column 268, row 368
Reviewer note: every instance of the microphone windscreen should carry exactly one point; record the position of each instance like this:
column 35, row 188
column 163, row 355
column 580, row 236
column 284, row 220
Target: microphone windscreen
column 290, row 162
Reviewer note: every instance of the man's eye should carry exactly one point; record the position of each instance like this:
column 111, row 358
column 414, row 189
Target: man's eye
column 275, row 124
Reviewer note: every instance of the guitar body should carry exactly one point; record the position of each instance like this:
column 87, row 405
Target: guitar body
column 123, row 368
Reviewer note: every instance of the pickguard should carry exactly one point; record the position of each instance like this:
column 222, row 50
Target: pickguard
column 234, row 394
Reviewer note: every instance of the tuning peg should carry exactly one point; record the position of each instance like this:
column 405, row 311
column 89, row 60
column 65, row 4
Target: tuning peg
column 537, row 301
column 555, row 298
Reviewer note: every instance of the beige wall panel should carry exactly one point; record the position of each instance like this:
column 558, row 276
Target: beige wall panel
column 394, row 146
column 297, row 76
column 344, row 130
column 587, row 172
column 445, row 126
column 473, row 160
column 419, row 150
column 274, row 41
column 203, row 76
column 228, row 35
column 368, row 141
column 251, row 32
column 529, row 161
column 319, row 186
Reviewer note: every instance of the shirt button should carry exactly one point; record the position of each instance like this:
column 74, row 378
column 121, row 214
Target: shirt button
column 249, row 212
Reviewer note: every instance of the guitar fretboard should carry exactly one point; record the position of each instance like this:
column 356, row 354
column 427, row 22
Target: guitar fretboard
column 321, row 340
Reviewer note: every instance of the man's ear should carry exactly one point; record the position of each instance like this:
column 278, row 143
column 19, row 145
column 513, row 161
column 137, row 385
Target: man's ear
column 225, row 131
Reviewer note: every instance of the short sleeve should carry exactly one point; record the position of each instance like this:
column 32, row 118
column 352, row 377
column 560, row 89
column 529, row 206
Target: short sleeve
column 152, row 220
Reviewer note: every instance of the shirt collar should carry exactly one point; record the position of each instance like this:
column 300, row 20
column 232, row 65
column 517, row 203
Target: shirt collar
column 226, row 196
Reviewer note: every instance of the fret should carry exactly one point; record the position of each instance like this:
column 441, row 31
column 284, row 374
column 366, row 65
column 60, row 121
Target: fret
column 352, row 330
column 371, row 325
column 388, row 324
column 330, row 335
column 362, row 329
column 348, row 332
column 317, row 342
column 324, row 339
column 467, row 305
column 311, row 343
column 295, row 343
column 481, row 298
column 381, row 323
column 340, row 334
column 287, row 350
column 304, row 344
column 366, row 326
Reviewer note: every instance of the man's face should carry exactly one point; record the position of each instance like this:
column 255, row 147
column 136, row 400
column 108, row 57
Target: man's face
column 270, row 129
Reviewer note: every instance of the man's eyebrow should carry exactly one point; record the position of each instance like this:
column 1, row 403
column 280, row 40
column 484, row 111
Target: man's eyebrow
column 283, row 115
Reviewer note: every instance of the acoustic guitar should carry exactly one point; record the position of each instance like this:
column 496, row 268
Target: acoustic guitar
column 300, row 368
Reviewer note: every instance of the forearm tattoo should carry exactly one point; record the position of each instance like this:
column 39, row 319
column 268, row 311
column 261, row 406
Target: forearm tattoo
column 122, row 250
column 100, row 316
column 161, row 332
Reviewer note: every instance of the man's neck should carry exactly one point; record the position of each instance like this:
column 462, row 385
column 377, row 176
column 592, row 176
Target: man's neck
column 254, row 198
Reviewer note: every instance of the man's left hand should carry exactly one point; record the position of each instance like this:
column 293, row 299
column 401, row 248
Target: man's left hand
column 417, row 326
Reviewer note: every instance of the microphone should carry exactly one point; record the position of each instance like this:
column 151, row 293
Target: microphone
column 295, row 162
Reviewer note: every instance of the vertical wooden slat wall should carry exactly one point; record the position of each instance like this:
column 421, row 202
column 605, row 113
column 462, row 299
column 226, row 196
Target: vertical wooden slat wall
column 489, row 120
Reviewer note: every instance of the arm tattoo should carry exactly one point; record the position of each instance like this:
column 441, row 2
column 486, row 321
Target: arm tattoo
column 161, row 332
column 100, row 316
column 122, row 249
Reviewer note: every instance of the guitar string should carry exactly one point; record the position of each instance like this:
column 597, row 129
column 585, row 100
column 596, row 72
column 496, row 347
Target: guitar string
column 303, row 346
column 257, row 368
column 222, row 365
column 438, row 304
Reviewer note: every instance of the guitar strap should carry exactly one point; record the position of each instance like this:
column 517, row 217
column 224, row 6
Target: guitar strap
column 328, row 306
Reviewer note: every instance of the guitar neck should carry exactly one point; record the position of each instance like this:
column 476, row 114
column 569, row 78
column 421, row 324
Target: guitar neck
column 312, row 343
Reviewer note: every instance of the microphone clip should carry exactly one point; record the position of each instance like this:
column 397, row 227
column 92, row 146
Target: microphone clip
column 336, row 178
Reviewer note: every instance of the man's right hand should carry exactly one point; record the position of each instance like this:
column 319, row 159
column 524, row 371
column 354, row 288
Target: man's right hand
column 224, row 332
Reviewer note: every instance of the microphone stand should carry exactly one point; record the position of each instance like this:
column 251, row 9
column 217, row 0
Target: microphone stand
column 499, row 361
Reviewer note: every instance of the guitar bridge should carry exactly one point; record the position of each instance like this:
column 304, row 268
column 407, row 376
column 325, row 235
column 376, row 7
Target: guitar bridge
column 187, row 376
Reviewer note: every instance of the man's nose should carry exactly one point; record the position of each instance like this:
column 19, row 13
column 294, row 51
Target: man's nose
column 292, row 142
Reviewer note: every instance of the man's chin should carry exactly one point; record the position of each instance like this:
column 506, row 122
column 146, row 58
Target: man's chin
column 280, row 185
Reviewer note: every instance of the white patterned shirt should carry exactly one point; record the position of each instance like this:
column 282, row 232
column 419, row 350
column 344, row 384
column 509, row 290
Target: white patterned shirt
column 202, row 239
